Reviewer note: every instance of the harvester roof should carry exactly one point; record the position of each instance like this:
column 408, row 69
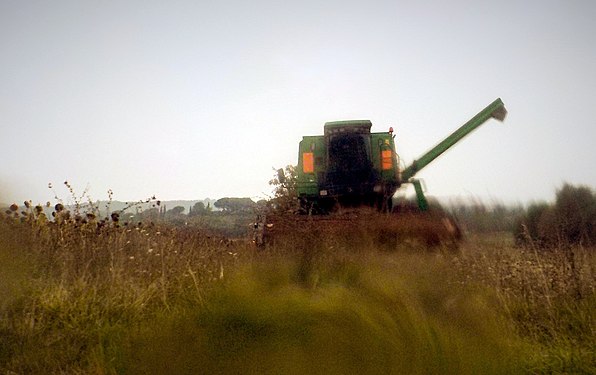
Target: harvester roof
column 349, row 126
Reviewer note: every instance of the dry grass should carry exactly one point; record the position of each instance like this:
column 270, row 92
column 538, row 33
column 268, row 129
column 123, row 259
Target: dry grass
column 549, row 295
column 87, row 298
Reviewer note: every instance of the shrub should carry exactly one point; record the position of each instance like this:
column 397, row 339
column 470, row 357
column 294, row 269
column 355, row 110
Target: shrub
column 571, row 220
column 575, row 209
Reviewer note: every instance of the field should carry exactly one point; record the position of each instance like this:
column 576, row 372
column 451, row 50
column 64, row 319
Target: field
column 78, row 298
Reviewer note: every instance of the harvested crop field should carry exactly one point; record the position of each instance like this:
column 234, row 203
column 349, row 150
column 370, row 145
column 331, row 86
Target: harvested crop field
column 165, row 299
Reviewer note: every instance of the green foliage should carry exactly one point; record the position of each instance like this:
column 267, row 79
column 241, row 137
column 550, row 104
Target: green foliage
column 575, row 208
column 235, row 204
column 200, row 209
column 152, row 214
column 176, row 211
column 570, row 220
column 285, row 197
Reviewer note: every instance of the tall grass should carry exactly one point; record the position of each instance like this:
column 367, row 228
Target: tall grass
column 346, row 320
column 83, row 298
column 547, row 295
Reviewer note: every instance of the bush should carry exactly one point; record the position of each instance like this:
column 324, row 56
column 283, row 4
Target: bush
column 575, row 210
column 571, row 220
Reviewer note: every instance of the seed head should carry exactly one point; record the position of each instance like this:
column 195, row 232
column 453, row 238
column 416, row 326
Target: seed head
column 14, row 207
column 59, row 207
column 27, row 204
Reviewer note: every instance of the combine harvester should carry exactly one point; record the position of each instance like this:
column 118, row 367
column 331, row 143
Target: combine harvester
column 345, row 184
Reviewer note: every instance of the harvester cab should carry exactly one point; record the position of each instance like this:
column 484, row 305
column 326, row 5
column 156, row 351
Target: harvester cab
column 347, row 166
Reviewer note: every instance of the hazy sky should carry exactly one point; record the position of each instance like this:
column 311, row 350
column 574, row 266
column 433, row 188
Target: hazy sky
column 195, row 99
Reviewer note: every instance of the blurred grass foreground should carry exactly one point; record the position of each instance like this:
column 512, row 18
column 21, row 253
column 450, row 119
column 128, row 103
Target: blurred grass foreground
column 76, row 297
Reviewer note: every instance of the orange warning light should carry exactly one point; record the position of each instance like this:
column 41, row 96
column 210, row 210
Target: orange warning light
column 386, row 159
column 308, row 162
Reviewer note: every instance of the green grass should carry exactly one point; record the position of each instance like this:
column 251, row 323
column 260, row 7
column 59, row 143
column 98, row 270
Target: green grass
column 174, row 300
column 371, row 320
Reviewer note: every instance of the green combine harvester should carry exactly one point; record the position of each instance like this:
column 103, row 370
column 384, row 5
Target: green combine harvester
column 350, row 166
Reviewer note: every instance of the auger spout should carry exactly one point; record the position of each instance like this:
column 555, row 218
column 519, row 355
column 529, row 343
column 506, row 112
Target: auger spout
column 494, row 110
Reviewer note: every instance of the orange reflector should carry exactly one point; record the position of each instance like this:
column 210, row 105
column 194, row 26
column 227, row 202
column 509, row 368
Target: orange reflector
column 308, row 162
column 386, row 160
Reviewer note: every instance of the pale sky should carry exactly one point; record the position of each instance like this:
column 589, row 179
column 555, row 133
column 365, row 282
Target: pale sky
column 196, row 99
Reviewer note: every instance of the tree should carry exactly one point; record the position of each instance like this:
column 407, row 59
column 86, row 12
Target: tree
column 575, row 207
column 176, row 211
column 199, row 209
column 570, row 220
column 235, row 204
column 150, row 214
column 285, row 197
